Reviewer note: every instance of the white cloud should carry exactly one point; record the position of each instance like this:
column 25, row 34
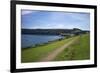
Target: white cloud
column 26, row 12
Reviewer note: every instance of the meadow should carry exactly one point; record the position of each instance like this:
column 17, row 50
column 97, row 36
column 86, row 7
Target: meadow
column 80, row 50
column 76, row 50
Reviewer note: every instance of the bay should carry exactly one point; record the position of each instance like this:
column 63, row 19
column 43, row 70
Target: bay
column 31, row 40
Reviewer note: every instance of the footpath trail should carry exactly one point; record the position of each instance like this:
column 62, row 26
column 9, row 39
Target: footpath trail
column 53, row 54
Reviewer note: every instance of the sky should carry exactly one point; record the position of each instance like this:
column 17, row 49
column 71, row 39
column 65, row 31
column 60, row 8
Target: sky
column 32, row 19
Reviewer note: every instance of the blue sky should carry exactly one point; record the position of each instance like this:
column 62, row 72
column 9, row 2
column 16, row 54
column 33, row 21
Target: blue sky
column 31, row 19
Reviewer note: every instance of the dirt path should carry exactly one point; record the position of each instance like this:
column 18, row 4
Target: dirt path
column 53, row 54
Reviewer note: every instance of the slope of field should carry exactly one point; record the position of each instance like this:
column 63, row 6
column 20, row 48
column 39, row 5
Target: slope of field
column 77, row 50
column 80, row 50
column 52, row 55
column 36, row 53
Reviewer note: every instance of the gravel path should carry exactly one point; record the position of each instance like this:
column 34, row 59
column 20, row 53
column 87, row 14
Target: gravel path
column 53, row 54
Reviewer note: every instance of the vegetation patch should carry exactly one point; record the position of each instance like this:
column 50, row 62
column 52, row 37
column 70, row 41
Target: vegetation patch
column 80, row 50
column 34, row 54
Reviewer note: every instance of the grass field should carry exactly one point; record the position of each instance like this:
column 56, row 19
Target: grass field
column 36, row 53
column 79, row 50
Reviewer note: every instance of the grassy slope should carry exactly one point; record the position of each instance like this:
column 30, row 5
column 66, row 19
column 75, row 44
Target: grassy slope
column 80, row 50
column 36, row 53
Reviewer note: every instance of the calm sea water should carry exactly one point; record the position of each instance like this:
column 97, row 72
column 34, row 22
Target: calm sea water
column 30, row 40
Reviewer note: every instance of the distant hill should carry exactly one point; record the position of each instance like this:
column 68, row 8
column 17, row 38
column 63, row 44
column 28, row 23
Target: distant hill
column 74, row 31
